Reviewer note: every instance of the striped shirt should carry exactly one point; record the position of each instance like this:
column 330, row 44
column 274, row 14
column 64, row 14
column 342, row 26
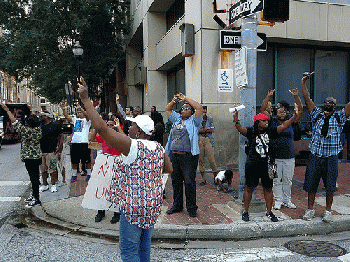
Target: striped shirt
column 330, row 145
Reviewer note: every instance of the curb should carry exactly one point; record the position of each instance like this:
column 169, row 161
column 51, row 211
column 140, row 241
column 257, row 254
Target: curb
column 234, row 231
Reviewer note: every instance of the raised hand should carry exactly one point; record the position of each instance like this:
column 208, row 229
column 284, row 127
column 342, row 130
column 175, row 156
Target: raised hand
column 62, row 105
column 235, row 116
column 270, row 92
column 181, row 97
column 294, row 92
column 305, row 78
column 83, row 89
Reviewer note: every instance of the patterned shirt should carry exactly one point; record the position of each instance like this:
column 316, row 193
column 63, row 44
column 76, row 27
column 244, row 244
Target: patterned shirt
column 30, row 141
column 137, row 183
column 330, row 145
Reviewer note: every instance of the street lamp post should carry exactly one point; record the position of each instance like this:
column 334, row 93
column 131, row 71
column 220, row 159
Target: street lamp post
column 78, row 52
column 68, row 89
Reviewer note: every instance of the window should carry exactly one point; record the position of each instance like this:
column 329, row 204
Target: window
column 176, row 81
column 281, row 68
column 176, row 10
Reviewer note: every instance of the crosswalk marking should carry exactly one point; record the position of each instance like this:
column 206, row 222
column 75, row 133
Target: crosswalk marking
column 9, row 199
column 14, row 183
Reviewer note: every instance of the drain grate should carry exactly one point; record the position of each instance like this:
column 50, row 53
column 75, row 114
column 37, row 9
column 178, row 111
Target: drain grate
column 314, row 248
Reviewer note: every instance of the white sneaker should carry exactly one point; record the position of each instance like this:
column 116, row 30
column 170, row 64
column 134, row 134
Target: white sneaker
column 309, row 214
column 53, row 189
column 277, row 205
column 327, row 216
column 289, row 205
column 43, row 188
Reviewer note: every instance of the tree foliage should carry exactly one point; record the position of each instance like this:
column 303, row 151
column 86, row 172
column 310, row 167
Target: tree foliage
column 39, row 35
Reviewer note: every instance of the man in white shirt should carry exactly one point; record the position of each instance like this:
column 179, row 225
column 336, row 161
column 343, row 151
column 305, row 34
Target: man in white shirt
column 80, row 151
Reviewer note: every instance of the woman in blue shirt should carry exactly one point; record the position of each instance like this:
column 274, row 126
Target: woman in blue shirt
column 183, row 149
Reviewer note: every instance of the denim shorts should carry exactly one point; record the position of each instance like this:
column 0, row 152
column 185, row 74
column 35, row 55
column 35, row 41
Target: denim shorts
column 321, row 167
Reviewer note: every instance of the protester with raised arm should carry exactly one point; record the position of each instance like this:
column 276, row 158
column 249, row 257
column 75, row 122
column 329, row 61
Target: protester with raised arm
column 183, row 149
column 137, row 181
column 79, row 151
column 325, row 144
column 284, row 152
column 30, row 151
column 259, row 151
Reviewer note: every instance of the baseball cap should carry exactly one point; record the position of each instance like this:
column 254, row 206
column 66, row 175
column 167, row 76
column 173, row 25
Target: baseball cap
column 261, row 116
column 46, row 114
column 145, row 123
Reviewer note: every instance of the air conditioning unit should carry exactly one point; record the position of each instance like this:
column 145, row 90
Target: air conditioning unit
column 140, row 75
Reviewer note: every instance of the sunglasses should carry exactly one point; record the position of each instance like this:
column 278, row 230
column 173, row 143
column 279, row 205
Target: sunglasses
column 185, row 108
column 329, row 102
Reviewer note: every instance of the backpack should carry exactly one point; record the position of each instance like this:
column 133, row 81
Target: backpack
column 296, row 131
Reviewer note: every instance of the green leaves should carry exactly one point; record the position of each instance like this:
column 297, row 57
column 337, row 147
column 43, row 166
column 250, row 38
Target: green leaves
column 40, row 36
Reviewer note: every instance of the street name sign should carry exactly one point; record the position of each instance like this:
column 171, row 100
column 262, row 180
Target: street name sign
column 231, row 39
column 244, row 8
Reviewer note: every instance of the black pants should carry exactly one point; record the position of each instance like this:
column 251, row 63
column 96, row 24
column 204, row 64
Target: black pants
column 184, row 172
column 32, row 166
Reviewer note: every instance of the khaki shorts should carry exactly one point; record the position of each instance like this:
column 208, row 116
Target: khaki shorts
column 49, row 163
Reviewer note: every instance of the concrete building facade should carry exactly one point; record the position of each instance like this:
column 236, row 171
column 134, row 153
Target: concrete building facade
column 314, row 39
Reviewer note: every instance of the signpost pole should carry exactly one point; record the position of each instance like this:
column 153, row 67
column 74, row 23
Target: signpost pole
column 248, row 93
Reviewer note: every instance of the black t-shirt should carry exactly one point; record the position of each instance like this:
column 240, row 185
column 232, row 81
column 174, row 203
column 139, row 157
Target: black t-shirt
column 158, row 133
column 49, row 140
column 259, row 143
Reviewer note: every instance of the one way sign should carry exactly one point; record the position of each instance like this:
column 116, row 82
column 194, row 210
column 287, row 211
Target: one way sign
column 230, row 39
column 244, row 8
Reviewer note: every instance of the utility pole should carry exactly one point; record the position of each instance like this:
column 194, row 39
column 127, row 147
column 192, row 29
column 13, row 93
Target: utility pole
column 248, row 93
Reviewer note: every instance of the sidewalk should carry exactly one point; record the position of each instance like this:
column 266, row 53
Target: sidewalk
column 218, row 215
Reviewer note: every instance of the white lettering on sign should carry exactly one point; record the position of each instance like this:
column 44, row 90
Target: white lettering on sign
column 232, row 40
column 244, row 7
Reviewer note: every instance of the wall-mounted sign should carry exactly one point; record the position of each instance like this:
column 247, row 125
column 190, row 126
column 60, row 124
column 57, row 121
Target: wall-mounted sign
column 230, row 40
column 225, row 80
column 241, row 67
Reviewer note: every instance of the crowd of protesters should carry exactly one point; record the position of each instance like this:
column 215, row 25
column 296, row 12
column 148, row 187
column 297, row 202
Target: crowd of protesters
column 142, row 156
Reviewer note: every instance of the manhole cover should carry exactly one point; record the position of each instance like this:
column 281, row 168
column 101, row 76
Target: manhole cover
column 313, row 248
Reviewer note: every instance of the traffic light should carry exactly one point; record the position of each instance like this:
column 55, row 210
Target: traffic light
column 276, row 10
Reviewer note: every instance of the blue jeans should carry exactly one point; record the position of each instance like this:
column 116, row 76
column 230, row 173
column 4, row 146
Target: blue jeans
column 134, row 241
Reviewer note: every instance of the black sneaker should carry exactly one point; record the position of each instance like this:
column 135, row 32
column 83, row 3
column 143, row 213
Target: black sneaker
column 173, row 210
column 192, row 213
column 34, row 202
column 272, row 217
column 115, row 218
column 245, row 216
column 29, row 199
column 100, row 215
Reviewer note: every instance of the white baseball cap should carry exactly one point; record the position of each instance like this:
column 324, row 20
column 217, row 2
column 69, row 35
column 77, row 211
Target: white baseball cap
column 46, row 114
column 145, row 123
